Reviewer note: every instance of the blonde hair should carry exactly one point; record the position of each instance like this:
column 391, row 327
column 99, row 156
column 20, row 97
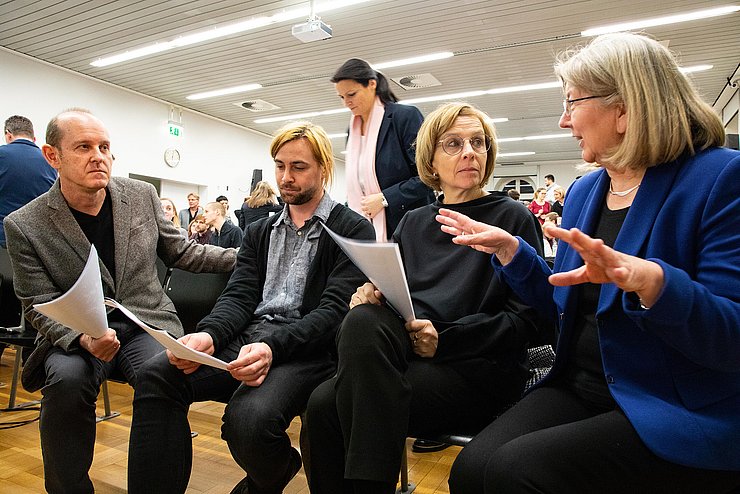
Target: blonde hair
column 263, row 194
column 176, row 217
column 317, row 140
column 559, row 189
column 437, row 123
column 217, row 206
column 665, row 115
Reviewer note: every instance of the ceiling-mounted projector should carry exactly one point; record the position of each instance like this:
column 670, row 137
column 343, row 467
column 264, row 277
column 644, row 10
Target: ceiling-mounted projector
column 312, row 30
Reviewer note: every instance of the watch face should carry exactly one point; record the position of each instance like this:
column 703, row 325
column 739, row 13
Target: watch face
column 172, row 157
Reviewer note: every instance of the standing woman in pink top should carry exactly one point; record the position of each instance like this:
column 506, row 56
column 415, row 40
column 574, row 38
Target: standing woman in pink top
column 382, row 180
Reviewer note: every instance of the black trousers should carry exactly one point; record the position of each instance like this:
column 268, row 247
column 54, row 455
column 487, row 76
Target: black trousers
column 553, row 441
column 255, row 426
column 358, row 421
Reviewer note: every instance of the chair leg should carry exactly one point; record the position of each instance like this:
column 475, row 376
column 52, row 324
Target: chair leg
column 14, row 383
column 406, row 487
column 106, row 405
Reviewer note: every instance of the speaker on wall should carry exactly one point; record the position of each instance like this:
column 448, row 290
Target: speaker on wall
column 256, row 178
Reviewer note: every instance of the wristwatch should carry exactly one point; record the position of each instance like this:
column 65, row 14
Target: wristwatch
column 385, row 202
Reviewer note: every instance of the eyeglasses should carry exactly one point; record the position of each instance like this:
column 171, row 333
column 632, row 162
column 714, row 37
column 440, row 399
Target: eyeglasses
column 568, row 103
column 454, row 145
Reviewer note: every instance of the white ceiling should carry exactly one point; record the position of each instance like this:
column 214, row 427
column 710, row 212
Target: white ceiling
column 496, row 44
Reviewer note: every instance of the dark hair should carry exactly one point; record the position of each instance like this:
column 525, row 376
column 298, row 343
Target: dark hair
column 360, row 71
column 19, row 126
column 550, row 177
column 222, row 198
column 514, row 194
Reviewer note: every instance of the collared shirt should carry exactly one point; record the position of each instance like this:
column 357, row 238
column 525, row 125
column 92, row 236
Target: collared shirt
column 290, row 255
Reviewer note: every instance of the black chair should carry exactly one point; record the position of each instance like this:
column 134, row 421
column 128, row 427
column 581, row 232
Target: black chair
column 541, row 359
column 194, row 294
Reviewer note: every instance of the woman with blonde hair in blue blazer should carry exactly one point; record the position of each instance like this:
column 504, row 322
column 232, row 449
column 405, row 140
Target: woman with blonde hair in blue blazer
column 644, row 395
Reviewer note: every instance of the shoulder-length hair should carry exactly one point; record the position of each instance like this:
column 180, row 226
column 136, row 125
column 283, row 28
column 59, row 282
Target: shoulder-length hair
column 261, row 195
column 175, row 217
column 666, row 117
column 360, row 71
column 318, row 141
column 435, row 125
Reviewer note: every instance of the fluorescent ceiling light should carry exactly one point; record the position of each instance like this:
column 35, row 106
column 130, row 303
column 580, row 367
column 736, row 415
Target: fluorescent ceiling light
column 337, row 136
column 505, row 155
column 498, row 120
column 660, row 21
column 221, row 92
column 298, row 116
column 695, row 68
column 525, row 87
column 413, row 60
column 239, row 27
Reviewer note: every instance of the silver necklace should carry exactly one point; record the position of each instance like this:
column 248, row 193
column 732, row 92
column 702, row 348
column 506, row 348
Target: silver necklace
column 622, row 193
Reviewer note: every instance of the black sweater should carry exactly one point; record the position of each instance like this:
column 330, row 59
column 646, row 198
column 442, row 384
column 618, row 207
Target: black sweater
column 332, row 279
column 484, row 329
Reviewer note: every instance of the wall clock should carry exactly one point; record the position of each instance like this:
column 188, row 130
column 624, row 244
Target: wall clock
column 172, row 157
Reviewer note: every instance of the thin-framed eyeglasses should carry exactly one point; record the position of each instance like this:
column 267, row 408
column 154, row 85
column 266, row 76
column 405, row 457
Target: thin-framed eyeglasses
column 568, row 103
column 453, row 145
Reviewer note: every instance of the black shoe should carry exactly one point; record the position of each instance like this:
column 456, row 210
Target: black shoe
column 242, row 487
column 427, row 446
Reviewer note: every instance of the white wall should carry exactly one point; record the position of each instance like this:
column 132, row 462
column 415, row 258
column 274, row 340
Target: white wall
column 216, row 157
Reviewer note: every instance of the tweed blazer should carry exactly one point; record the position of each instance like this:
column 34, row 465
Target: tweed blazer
column 48, row 250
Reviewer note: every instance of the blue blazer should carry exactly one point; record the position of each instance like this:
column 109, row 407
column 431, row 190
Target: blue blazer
column 24, row 175
column 395, row 163
column 673, row 369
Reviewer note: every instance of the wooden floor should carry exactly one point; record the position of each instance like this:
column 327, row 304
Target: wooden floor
column 214, row 471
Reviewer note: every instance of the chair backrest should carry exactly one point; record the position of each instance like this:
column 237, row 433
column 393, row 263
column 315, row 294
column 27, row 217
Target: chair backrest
column 194, row 294
column 10, row 307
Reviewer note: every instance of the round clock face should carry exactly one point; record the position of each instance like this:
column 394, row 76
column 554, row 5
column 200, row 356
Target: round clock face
column 172, row 157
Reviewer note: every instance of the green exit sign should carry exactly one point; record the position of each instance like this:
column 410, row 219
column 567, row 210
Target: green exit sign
column 174, row 129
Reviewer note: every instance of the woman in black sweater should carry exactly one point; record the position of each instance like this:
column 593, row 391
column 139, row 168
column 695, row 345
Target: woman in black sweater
column 462, row 360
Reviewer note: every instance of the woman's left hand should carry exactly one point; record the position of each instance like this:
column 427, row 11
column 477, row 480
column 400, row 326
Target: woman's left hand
column 371, row 205
column 605, row 265
column 424, row 337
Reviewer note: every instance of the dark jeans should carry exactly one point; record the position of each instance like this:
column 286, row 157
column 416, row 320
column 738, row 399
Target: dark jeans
column 255, row 420
column 67, row 423
column 552, row 441
column 358, row 421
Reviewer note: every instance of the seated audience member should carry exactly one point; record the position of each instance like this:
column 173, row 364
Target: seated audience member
column 188, row 214
column 170, row 213
column 223, row 233
column 24, row 173
column 199, row 231
column 225, row 203
column 644, row 395
column 539, row 206
column 49, row 240
column 278, row 343
column 461, row 361
column 260, row 204
column 514, row 194
column 557, row 205
column 550, row 243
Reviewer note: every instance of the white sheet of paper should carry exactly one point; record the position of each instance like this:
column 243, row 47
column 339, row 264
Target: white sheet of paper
column 168, row 341
column 381, row 262
column 81, row 308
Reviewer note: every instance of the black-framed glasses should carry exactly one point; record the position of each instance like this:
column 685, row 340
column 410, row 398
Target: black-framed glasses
column 568, row 103
column 453, row 145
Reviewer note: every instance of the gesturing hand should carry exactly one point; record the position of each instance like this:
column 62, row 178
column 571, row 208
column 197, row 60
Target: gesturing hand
column 606, row 265
column 479, row 236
